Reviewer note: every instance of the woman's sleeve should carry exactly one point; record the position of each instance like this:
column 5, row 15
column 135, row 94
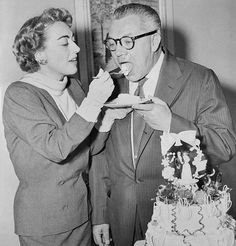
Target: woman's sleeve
column 25, row 114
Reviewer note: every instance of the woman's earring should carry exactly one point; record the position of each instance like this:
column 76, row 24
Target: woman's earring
column 42, row 61
column 40, row 58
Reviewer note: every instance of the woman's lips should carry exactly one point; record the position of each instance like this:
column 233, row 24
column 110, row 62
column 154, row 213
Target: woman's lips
column 73, row 60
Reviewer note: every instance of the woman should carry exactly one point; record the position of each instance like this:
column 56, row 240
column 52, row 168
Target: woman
column 48, row 124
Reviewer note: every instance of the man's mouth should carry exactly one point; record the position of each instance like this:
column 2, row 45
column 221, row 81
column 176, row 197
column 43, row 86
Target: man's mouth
column 125, row 68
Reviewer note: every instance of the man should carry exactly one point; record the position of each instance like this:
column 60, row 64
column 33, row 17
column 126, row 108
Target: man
column 186, row 96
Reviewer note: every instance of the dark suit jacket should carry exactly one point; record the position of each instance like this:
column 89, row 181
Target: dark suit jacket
column 49, row 156
column 119, row 191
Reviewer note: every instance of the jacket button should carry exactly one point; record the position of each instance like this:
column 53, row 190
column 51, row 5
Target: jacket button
column 138, row 181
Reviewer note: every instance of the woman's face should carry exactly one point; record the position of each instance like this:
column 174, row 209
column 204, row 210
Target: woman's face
column 60, row 51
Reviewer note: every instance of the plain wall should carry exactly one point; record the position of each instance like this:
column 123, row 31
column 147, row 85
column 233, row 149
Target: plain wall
column 13, row 14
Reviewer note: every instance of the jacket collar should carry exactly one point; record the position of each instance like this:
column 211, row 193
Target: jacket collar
column 170, row 83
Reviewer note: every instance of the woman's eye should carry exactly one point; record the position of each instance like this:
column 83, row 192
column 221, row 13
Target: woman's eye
column 65, row 44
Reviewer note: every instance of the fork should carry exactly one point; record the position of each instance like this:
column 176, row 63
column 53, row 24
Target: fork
column 111, row 73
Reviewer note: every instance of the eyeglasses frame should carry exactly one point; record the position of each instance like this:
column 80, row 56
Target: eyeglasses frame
column 133, row 39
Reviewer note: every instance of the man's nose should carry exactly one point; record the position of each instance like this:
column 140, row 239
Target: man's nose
column 120, row 50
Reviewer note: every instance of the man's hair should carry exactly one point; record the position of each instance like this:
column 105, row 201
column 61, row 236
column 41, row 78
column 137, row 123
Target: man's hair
column 31, row 37
column 149, row 17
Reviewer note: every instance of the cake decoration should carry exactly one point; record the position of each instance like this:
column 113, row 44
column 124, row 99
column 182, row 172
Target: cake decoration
column 184, row 164
column 191, row 207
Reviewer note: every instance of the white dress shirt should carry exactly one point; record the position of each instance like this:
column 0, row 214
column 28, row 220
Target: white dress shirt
column 149, row 88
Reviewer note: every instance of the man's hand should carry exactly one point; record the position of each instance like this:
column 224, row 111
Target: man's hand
column 101, row 234
column 157, row 114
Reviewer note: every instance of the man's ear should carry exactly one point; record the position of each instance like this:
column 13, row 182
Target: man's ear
column 156, row 41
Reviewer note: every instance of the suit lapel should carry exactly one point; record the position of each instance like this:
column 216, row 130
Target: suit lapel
column 168, row 87
column 51, row 101
column 169, row 82
column 124, row 137
column 76, row 92
column 124, row 127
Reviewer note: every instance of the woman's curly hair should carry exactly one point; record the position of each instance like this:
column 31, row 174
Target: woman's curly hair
column 31, row 36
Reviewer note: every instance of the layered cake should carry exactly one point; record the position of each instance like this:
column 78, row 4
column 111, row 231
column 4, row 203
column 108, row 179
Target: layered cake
column 191, row 208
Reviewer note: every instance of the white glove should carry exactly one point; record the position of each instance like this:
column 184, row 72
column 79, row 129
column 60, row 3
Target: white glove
column 100, row 90
column 110, row 115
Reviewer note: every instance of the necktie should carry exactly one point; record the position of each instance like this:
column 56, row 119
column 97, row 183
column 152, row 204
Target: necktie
column 139, row 91
column 138, row 122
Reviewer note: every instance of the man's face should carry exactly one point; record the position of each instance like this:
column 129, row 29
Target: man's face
column 138, row 61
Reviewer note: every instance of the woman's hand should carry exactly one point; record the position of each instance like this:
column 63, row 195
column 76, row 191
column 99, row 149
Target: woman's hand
column 105, row 123
column 101, row 87
column 100, row 90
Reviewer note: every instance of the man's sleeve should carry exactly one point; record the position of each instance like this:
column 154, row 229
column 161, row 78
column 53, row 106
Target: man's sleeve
column 97, row 140
column 213, row 122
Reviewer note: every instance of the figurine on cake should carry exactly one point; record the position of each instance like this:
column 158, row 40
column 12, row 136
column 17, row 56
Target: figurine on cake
column 191, row 208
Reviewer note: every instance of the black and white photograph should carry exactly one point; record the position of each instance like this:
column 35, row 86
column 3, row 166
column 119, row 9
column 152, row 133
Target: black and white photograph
column 117, row 123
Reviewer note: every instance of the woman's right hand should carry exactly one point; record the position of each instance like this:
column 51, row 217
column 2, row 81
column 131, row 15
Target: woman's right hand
column 100, row 90
column 101, row 87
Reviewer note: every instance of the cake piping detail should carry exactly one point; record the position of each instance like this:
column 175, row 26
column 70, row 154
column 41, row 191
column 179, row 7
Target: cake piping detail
column 191, row 207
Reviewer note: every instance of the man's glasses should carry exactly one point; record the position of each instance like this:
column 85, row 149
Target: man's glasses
column 126, row 41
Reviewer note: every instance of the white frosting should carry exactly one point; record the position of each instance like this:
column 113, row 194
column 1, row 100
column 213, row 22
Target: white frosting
column 190, row 216
column 224, row 237
column 125, row 68
column 205, row 225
